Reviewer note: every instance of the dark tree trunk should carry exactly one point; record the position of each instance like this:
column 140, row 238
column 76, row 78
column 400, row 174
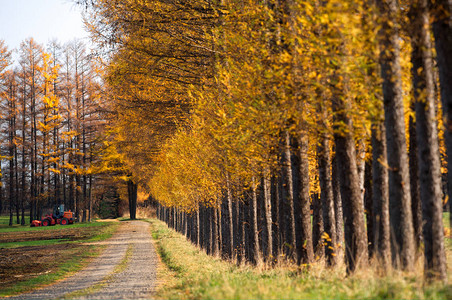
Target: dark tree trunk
column 338, row 211
column 356, row 253
column 236, row 225
column 414, row 182
column 247, row 227
column 317, row 227
column 402, row 242
column 380, row 194
column 428, row 147
column 276, row 232
column 229, row 226
column 256, row 252
column 132, row 190
column 215, row 235
column 326, row 197
column 417, row 63
column 302, row 203
column 441, row 12
column 241, row 233
column 368, row 207
column 198, row 227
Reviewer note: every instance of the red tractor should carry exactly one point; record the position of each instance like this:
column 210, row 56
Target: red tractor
column 59, row 216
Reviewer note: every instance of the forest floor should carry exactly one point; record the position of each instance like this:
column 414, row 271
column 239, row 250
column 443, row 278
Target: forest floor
column 85, row 266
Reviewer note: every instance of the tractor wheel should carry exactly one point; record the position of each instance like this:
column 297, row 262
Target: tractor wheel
column 45, row 222
column 64, row 221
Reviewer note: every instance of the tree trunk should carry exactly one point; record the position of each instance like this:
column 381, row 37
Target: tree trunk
column 302, row 202
column 241, row 233
column 368, row 206
column 356, row 253
column 441, row 11
column 402, row 242
column 132, row 190
column 326, row 196
column 198, row 228
column 256, row 252
column 266, row 187
column 414, row 181
column 428, row 147
column 229, row 226
column 317, row 227
column 380, row 194
column 276, row 232
column 287, row 198
column 214, row 224
column 338, row 211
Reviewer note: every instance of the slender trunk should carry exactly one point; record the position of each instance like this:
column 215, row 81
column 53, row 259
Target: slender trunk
column 326, row 196
column 241, row 233
column 380, row 195
column 368, row 206
column 132, row 190
column 414, row 182
column 441, row 12
column 214, row 224
column 402, row 240
column 287, row 198
column 198, row 228
column 338, row 211
column 229, row 222
column 266, row 187
column 428, row 147
column 356, row 253
column 256, row 252
column 317, row 228
column 275, row 200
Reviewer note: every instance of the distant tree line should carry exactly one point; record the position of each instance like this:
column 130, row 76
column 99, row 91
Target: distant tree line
column 51, row 119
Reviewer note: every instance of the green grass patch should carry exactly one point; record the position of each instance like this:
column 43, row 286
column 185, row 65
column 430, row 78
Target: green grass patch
column 4, row 220
column 32, row 243
column 191, row 274
column 15, row 227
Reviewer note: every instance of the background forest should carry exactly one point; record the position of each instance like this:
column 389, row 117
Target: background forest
column 266, row 131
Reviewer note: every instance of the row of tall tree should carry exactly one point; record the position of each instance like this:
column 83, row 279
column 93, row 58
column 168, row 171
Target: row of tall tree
column 254, row 115
column 50, row 122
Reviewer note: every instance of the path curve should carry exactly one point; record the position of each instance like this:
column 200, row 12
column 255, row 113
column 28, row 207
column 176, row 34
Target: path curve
column 136, row 280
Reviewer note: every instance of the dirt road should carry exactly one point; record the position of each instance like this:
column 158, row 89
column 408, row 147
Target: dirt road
column 125, row 270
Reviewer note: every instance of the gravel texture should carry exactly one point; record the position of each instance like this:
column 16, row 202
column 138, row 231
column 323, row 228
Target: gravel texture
column 136, row 280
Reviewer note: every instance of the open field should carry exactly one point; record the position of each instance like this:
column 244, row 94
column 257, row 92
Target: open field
column 188, row 273
column 38, row 256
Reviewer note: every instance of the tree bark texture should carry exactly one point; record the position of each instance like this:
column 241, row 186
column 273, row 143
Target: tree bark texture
column 132, row 189
column 338, row 211
column 428, row 147
column 356, row 253
column 402, row 240
column 326, row 196
column 287, row 198
column 441, row 13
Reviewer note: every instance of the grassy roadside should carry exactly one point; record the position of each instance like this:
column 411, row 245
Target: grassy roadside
column 72, row 256
column 189, row 273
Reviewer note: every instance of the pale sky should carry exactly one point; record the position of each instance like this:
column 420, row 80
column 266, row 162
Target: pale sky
column 42, row 20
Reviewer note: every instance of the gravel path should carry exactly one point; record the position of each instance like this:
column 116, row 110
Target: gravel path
column 135, row 281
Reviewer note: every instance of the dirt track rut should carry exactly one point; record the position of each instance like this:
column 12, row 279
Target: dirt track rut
column 137, row 277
